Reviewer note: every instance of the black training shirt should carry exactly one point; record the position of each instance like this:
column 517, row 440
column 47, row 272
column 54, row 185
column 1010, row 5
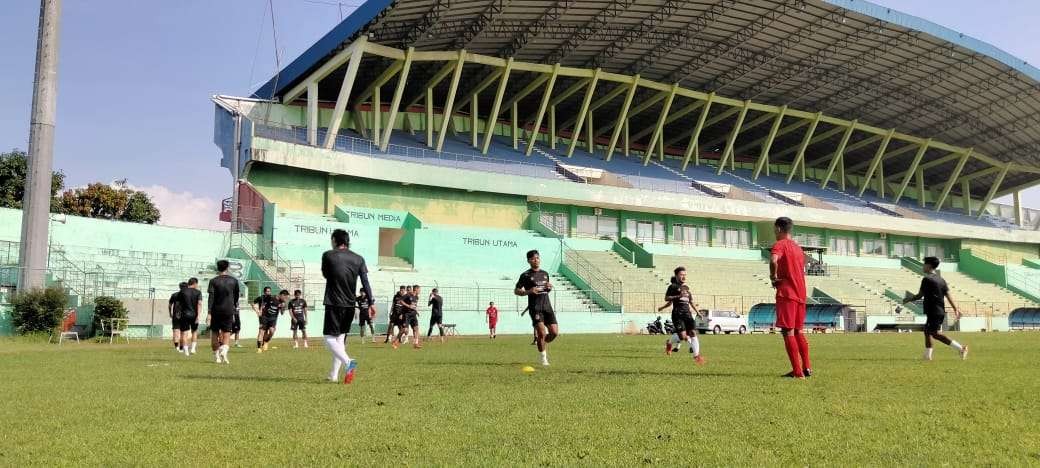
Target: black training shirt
column 297, row 306
column 407, row 300
column 435, row 304
column 681, row 304
column 342, row 269
column 174, row 301
column 188, row 301
column 223, row 295
column 537, row 303
column 933, row 291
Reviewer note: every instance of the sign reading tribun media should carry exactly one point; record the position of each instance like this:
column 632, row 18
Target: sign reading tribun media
column 374, row 217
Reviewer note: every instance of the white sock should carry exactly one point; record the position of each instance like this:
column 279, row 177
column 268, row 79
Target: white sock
column 956, row 345
column 194, row 346
column 339, row 354
column 928, row 353
column 542, row 354
column 695, row 345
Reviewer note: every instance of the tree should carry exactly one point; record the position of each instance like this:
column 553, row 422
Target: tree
column 38, row 310
column 104, row 201
column 107, row 307
column 13, row 169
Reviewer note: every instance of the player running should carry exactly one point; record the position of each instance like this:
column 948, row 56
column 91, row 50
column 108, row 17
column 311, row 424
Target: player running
column 410, row 316
column 492, row 321
column 933, row 291
column 394, row 316
column 189, row 301
column 342, row 268
column 260, row 304
column 534, row 283
column 787, row 274
column 175, row 316
column 364, row 321
column 223, row 306
column 679, row 296
column 298, row 314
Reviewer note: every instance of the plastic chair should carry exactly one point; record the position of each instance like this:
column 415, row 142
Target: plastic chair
column 119, row 326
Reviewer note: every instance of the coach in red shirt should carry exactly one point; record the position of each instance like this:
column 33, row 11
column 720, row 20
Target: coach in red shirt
column 787, row 273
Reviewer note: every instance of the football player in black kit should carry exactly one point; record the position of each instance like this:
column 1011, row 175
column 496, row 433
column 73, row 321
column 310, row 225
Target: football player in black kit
column 394, row 316
column 298, row 314
column 175, row 316
column 189, row 301
column 364, row 321
column 678, row 294
column 342, row 268
column 436, row 303
column 534, row 283
column 934, row 291
column 223, row 306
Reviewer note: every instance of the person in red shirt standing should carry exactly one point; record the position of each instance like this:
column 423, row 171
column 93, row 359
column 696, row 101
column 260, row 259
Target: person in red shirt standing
column 492, row 320
column 787, row 273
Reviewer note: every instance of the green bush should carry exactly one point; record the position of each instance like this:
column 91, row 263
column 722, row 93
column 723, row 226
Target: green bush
column 107, row 307
column 38, row 310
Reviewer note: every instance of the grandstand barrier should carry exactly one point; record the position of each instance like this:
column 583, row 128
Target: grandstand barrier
column 625, row 253
column 981, row 268
column 606, row 292
column 762, row 317
column 1031, row 262
column 912, row 264
column 914, row 307
column 643, row 258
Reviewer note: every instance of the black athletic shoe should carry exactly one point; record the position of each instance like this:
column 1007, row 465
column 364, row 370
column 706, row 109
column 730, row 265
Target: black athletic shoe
column 807, row 372
column 790, row 375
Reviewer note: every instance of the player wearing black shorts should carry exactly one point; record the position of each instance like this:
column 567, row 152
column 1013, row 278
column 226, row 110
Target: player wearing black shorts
column 342, row 268
column 435, row 303
column 271, row 308
column 678, row 295
column 534, row 283
column 223, row 307
column 393, row 317
column 364, row 321
column 934, row 290
column 189, row 301
column 175, row 316
column 411, row 317
column 298, row 314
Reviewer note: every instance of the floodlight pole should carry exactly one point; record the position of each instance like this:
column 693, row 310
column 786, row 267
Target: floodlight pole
column 36, row 201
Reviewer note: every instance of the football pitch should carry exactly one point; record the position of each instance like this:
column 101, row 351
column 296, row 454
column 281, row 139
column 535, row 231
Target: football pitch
column 606, row 400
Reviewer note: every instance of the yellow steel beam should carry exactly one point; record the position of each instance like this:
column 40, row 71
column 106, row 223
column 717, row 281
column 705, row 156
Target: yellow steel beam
column 672, row 117
column 876, row 162
column 660, row 124
column 453, row 87
column 783, row 131
column 623, row 117
column 763, row 157
column 541, row 109
column 496, row 106
column 691, row 148
column 397, row 95
column 341, row 100
column 326, row 68
column 993, row 189
column 727, row 152
column 800, row 158
column 838, row 156
column 921, row 149
column 953, row 179
column 576, row 133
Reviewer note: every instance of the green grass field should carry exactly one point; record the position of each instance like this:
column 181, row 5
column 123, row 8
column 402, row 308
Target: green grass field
column 606, row 400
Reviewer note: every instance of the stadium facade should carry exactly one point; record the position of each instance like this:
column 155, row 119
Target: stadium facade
column 622, row 138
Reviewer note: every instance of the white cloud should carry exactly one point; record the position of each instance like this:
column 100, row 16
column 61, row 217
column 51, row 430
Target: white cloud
column 184, row 209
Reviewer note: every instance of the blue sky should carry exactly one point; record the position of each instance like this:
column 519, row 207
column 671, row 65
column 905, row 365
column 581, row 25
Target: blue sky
column 135, row 79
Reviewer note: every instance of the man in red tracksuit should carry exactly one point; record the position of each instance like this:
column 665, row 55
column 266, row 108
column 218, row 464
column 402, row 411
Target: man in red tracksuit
column 787, row 273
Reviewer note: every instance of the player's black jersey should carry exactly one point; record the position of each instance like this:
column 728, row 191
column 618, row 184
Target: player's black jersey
column 223, row 295
column 681, row 304
column 297, row 307
column 933, row 291
column 436, row 302
column 537, row 303
column 188, row 302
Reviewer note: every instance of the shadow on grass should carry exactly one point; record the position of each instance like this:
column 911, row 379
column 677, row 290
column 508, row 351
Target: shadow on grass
column 243, row 378
column 639, row 373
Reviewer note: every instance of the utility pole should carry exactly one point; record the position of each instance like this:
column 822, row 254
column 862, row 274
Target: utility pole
column 36, row 203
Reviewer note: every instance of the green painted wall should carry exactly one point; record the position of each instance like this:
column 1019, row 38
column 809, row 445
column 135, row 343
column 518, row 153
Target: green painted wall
column 305, row 237
column 483, row 250
column 1014, row 252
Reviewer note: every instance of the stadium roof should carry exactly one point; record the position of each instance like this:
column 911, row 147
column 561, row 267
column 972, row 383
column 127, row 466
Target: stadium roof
column 847, row 59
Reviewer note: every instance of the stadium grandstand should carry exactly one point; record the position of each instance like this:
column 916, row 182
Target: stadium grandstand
column 621, row 139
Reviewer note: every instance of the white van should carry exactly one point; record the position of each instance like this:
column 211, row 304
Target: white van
column 721, row 321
